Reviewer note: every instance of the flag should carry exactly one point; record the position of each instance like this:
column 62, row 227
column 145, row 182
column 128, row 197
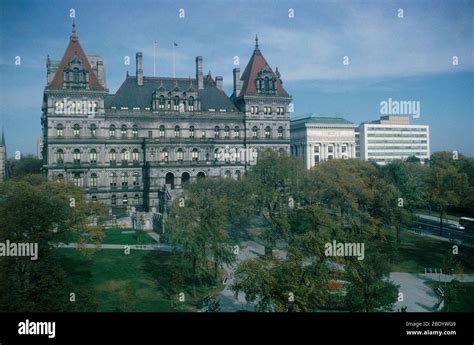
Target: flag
column 175, row 44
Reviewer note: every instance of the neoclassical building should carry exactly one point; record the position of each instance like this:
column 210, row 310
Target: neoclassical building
column 156, row 134
column 319, row 138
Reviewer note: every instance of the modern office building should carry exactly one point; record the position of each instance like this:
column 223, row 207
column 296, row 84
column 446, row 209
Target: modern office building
column 140, row 145
column 392, row 137
column 319, row 138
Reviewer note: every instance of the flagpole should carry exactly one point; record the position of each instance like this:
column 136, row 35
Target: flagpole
column 154, row 58
column 174, row 64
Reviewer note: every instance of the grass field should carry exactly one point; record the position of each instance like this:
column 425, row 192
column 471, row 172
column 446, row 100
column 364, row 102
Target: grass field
column 134, row 282
column 416, row 252
column 120, row 236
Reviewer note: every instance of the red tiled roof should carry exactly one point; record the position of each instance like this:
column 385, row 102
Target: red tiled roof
column 74, row 48
column 256, row 64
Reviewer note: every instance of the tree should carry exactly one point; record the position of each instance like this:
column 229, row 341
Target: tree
column 368, row 289
column 446, row 185
column 38, row 211
column 25, row 166
column 275, row 181
column 197, row 229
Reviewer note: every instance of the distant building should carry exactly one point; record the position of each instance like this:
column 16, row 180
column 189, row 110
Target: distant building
column 320, row 138
column 392, row 137
column 3, row 158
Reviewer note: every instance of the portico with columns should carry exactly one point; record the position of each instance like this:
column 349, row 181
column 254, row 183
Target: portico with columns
column 320, row 138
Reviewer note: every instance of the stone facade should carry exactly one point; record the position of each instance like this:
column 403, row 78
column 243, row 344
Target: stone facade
column 141, row 144
column 318, row 138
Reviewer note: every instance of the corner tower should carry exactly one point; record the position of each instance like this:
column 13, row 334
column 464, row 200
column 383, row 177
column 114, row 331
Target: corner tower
column 259, row 93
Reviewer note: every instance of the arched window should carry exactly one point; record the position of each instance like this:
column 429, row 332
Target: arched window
column 195, row 155
column 60, row 156
column 123, row 130
column 135, row 156
column 136, row 179
column 216, row 132
column 162, row 131
column 112, row 156
column 227, row 174
column 176, row 103
column 113, row 180
column 255, row 132
column 236, row 132
column 137, row 199
column 125, row 199
column 191, row 103
column 135, row 131
column 280, row 132
column 226, row 132
column 77, row 180
column 59, row 130
column 93, row 129
column 267, row 132
column 93, row 156
column 93, row 180
column 161, row 102
column 60, row 178
column 113, row 200
column 237, row 174
column 112, row 131
column 164, row 155
column 124, row 155
column 77, row 156
column 191, row 132
column 124, row 179
column 180, row 155
column 176, row 131
column 76, row 130
column 216, row 154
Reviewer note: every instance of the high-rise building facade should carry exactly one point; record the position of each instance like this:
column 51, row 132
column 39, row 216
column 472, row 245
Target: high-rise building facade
column 156, row 134
column 392, row 137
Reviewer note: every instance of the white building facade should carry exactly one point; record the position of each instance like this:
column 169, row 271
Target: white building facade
column 393, row 138
column 320, row 138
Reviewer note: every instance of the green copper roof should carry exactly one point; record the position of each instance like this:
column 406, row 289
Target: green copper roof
column 313, row 118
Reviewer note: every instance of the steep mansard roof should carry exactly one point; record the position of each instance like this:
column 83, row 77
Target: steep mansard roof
column 256, row 64
column 132, row 95
column 74, row 49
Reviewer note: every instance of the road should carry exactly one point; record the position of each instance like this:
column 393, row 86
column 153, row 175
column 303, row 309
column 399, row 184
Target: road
column 431, row 226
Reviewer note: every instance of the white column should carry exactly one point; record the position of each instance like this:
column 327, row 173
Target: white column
column 308, row 162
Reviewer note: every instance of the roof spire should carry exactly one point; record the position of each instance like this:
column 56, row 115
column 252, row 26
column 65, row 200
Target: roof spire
column 3, row 138
column 256, row 41
column 73, row 34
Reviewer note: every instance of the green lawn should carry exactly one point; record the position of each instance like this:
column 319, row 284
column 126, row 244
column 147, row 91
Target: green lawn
column 416, row 252
column 135, row 282
column 120, row 236
column 464, row 301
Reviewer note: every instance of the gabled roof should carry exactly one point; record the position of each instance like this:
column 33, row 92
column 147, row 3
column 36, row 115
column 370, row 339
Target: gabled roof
column 73, row 50
column 256, row 64
column 131, row 95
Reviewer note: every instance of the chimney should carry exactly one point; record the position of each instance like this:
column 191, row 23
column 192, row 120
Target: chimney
column 236, row 82
column 220, row 83
column 139, row 66
column 199, row 77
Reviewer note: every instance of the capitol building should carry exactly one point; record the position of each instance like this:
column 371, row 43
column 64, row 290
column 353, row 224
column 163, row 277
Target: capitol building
column 142, row 144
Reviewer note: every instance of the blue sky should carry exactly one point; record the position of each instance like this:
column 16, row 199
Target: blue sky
column 407, row 58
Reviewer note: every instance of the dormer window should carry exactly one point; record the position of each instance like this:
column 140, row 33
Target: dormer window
column 176, row 103
column 161, row 102
column 191, row 103
column 266, row 81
